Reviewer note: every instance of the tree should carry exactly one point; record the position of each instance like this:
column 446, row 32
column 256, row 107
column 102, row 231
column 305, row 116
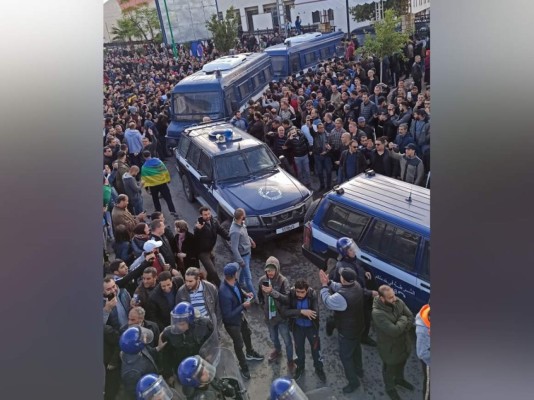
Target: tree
column 387, row 41
column 366, row 12
column 224, row 31
column 144, row 18
column 124, row 31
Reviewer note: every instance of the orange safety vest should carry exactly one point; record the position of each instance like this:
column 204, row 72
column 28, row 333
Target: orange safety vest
column 424, row 315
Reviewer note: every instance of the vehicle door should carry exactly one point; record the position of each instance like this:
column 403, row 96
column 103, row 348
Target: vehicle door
column 192, row 163
column 423, row 276
column 391, row 253
column 205, row 168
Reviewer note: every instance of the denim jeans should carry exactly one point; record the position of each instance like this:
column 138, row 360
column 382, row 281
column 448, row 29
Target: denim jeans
column 303, row 169
column 245, row 276
column 283, row 329
column 323, row 164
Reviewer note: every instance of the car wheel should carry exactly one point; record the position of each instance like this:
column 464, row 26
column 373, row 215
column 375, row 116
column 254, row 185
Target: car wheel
column 188, row 189
column 310, row 211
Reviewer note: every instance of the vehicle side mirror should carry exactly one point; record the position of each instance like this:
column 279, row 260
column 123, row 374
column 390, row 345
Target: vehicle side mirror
column 206, row 180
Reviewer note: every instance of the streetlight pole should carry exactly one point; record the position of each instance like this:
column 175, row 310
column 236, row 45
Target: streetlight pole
column 170, row 29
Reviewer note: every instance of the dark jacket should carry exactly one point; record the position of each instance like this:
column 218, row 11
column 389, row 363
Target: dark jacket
column 211, row 299
column 189, row 248
column 393, row 325
column 292, row 312
column 350, row 323
column 137, row 242
column 256, row 129
column 381, row 164
column 299, row 145
column 420, row 131
column 159, row 308
column 111, row 346
column 166, row 250
column 181, row 346
column 231, row 306
column 206, row 237
column 280, row 286
column 402, row 141
column 135, row 366
column 128, row 282
column 144, row 295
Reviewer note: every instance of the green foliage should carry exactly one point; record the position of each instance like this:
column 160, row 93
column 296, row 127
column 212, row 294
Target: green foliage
column 224, row 31
column 366, row 12
column 387, row 40
column 124, row 31
column 142, row 22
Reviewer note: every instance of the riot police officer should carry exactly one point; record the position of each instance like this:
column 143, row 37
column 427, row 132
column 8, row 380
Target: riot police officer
column 185, row 336
column 347, row 249
column 154, row 387
column 285, row 388
column 199, row 381
column 137, row 357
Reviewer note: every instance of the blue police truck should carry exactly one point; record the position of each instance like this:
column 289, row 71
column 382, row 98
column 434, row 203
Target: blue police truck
column 298, row 53
column 220, row 88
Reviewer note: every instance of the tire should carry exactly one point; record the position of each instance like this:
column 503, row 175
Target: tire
column 187, row 187
column 311, row 211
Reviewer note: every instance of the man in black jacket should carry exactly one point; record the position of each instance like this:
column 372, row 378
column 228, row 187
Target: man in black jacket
column 163, row 299
column 351, row 162
column 206, row 230
column 298, row 144
column 303, row 314
column 381, row 162
column 347, row 304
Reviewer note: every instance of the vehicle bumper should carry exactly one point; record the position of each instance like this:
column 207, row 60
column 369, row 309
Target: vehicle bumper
column 316, row 259
column 262, row 234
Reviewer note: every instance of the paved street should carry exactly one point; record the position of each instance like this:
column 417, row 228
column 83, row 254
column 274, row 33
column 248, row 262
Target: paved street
column 293, row 266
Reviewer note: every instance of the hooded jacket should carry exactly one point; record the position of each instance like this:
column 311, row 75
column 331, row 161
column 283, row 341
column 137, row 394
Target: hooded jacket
column 392, row 324
column 422, row 330
column 280, row 286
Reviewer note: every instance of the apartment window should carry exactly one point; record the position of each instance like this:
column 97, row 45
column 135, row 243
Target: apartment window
column 330, row 14
column 316, row 17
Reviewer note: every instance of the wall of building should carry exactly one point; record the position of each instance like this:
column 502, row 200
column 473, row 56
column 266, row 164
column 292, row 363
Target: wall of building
column 113, row 12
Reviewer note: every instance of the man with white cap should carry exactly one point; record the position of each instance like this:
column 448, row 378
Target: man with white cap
column 233, row 302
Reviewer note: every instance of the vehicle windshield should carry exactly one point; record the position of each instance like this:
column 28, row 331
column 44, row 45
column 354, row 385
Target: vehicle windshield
column 193, row 106
column 243, row 164
column 279, row 65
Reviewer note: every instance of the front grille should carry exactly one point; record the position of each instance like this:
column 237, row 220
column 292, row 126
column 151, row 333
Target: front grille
column 283, row 217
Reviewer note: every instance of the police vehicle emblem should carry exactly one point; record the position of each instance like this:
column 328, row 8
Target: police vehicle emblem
column 270, row 192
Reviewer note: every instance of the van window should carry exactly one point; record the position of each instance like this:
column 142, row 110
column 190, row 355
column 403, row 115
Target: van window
column 244, row 89
column 294, row 62
column 425, row 267
column 392, row 244
column 346, row 222
column 194, row 155
column 183, row 146
column 310, row 58
column 204, row 165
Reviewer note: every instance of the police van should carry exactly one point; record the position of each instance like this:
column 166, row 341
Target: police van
column 221, row 87
column 388, row 219
column 301, row 52
column 225, row 168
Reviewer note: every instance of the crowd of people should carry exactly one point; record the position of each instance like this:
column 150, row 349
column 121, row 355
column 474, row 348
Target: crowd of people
column 165, row 293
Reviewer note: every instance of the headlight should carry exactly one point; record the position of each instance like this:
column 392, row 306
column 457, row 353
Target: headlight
column 252, row 221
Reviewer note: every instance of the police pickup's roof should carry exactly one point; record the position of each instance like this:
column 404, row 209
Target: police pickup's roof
column 387, row 197
column 205, row 137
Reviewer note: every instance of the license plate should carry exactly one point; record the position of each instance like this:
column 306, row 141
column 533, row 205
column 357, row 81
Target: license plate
column 287, row 228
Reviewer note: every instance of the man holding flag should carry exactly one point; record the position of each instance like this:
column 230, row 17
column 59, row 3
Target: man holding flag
column 155, row 176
